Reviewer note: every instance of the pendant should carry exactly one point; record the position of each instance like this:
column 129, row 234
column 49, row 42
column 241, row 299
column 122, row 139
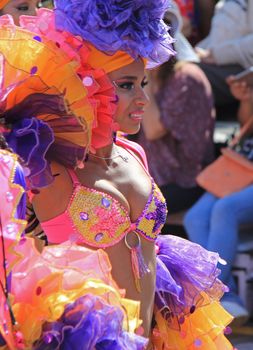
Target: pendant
column 139, row 266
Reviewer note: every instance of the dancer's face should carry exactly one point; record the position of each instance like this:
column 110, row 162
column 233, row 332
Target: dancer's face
column 130, row 82
column 17, row 8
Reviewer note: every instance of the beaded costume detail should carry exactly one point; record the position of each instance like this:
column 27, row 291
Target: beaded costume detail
column 101, row 221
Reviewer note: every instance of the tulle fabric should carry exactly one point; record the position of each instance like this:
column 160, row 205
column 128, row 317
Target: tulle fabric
column 204, row 329
column 135, row 27
column 66, row 296
column 187, row 310
column 11, row 227
column 40, row 83
column 101, row 92
column 3, row 3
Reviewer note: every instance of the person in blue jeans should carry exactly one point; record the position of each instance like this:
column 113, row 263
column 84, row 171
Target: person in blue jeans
column 214, row 222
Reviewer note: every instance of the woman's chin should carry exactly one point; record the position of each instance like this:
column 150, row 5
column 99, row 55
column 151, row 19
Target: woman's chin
column 134, row 129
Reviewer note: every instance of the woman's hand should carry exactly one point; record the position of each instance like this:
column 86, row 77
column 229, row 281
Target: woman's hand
column 205, row 56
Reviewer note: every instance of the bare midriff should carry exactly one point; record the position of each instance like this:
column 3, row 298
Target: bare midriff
column 122, row 273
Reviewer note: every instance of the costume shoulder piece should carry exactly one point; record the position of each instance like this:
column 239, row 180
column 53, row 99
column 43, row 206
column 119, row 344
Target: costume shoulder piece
column 43, row 100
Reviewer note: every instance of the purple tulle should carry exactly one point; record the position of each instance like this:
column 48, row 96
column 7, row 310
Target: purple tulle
column 36, row 141
column 31, row 139
column 133, row 26
column 89, row 323
column 184, row 270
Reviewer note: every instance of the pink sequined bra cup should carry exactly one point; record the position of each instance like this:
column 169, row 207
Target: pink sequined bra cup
column 98, row 220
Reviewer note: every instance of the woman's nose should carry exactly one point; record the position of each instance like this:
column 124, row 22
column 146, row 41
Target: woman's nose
column 142, row 98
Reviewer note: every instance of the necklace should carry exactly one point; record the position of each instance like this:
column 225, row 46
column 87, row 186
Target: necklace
column 111, row 158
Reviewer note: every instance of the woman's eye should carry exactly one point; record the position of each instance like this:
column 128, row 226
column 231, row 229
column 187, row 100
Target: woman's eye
column 144, row 83
column 23, row 7
column 126, row 86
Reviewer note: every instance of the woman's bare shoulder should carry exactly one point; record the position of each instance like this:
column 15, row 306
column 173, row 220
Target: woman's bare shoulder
column 53, row 199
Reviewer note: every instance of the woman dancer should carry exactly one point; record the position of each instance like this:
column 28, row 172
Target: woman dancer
column 110, row 201
column 67, row 289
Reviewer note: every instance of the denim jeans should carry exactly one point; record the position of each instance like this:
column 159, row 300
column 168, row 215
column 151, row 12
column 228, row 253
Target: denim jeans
column 214, row 223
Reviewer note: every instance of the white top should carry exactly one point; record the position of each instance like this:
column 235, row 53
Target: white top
column 231, row 36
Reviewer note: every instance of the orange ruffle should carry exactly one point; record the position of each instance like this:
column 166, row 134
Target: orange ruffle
column 203, row 329
column 43, row 284
column 36, row 64
column 93, row 71
column 3, row 3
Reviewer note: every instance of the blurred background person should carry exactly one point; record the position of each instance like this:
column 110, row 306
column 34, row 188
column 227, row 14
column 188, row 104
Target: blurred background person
column 227, row 50
column 177, row 129
column 214, row 222
column 196, row 15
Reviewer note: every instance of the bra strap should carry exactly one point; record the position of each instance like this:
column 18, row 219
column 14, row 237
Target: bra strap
column 136, row 150
column 73, row 176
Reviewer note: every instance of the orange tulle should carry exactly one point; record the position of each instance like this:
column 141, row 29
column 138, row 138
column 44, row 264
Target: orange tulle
column 36, row 64
column 43, row 284
column 101, row 92
column 3, row 3
column 202, row 329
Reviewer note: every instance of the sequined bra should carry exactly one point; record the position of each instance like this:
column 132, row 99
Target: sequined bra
column 99, row 220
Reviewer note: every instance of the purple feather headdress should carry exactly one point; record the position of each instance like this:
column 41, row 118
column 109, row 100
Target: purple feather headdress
column 133, row 26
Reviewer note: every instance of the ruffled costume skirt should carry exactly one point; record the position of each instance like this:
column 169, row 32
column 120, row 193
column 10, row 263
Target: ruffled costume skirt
column 187, row 313
column 65, row 298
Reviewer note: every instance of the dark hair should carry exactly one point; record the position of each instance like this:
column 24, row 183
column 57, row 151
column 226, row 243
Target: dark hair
column 165, row 71
column 3, row 143
column 33, row 223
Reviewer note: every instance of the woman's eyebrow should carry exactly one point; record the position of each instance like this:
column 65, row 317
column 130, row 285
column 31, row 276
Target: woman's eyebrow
column 130, row 77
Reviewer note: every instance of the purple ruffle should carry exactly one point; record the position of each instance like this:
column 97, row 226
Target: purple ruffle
column 31, row 139
column 133, row 26
column 184, row 270
column 36, row 141
column 89, row 323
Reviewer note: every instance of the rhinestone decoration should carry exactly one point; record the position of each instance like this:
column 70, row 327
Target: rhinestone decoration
column 105, row 202
column 6, row 159
column 99, row 237
column 106, row 221
column 37, row 38
column 84, row 216
column 9, row 197
column 10, row 228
